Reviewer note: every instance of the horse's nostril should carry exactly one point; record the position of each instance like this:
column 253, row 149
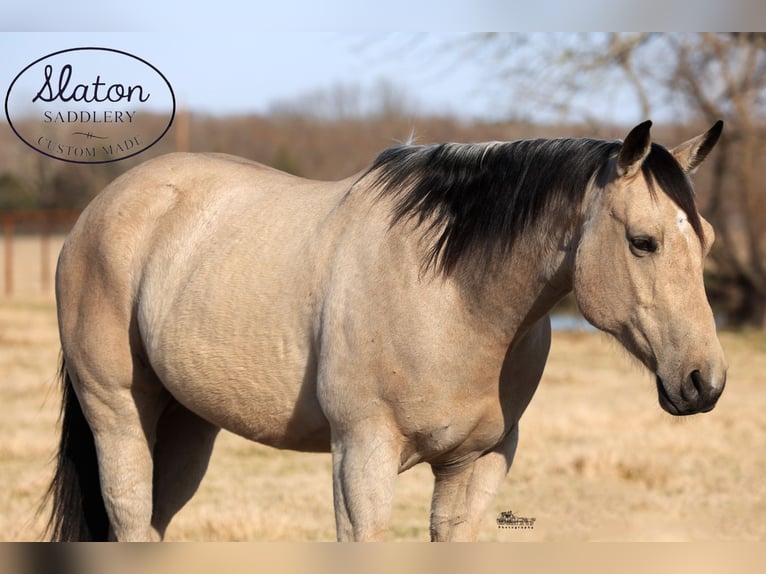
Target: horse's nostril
column 693, row 388
column 696, row 378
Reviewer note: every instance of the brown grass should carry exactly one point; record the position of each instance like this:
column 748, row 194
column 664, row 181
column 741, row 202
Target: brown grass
column 597, row 458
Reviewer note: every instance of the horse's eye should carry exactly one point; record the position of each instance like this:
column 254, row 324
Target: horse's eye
column 641, row 245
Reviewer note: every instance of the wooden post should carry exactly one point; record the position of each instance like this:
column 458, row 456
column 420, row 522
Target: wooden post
column 8, row 240
column 45, row 253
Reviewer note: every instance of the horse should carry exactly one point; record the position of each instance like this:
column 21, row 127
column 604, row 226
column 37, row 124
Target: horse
column 396, row 317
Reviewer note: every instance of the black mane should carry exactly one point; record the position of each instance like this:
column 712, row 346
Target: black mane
column 478, row 199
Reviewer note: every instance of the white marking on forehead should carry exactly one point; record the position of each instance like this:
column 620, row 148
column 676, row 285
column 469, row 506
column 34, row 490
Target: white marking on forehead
column 683, row 226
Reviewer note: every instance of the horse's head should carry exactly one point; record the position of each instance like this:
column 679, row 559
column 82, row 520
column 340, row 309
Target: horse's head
column 638, row 268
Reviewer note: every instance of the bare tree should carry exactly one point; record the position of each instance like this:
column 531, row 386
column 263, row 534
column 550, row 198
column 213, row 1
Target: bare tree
column 725, row 76
column 349, row 101
column 701, row 78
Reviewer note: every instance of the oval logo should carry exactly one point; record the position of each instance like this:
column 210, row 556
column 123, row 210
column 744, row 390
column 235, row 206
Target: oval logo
column 90, row 105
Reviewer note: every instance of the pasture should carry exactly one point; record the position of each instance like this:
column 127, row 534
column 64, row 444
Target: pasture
column 597, row 460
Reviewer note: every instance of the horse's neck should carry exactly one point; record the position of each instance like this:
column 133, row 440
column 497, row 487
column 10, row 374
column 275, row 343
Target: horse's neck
column 524, row 287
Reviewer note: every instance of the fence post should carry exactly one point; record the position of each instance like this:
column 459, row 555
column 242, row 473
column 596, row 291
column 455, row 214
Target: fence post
column 45, row 253
column 8, row 240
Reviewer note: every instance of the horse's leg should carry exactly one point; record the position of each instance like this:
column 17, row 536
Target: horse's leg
column 462, row 497
column 181, row 455
column 122, row 412
column 365, row 466
column 448, row 504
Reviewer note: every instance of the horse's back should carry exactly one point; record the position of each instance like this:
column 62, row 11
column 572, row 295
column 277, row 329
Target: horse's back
column 182, row 210
column 209, row 264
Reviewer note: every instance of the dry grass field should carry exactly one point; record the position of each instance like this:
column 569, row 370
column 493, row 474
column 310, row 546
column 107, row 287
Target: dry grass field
column 597, row 458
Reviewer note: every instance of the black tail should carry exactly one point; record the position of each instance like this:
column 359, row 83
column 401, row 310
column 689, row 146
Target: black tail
column 78, row 512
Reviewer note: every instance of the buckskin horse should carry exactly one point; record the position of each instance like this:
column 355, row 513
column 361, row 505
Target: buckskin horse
column 392, row 318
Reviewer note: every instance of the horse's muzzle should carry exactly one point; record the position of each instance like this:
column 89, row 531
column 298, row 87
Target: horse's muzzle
column 695, row 394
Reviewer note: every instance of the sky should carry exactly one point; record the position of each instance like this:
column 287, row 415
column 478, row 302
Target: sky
column 225, row 74
column 243, row 57
column 170, row 16
column 228, row 74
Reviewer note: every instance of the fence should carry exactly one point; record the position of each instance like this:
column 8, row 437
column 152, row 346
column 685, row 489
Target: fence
column 31, row 243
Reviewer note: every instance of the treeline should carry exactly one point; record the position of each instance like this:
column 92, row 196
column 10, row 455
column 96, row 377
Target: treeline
column 304, row 145
column 322, row 148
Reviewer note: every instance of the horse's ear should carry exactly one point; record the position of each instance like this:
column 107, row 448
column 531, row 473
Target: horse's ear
column 691, row 153
column 634, row 150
